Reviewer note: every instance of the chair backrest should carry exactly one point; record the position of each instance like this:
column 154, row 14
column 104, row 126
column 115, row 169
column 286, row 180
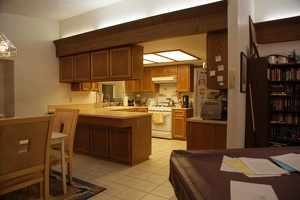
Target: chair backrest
column 24, row 145
column 65, row 121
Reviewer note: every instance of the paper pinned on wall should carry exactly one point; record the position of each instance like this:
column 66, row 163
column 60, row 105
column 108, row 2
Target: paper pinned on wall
column 220, row 78
column 218, row 58
column 220, row 68
column 212, row 73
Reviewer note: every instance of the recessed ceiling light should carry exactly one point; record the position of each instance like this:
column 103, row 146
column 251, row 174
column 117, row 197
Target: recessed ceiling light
column 178, row 55
column 156, row 58
column 168, row 56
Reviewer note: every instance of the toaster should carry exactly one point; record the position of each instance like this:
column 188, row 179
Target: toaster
column 214, row 109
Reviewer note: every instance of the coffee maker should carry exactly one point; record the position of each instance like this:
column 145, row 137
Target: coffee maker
column 185, row 101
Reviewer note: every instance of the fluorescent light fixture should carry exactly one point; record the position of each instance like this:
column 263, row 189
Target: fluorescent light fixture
column 178, row 55
column 168, row 56
column 7, row 48
column 156, row 58
column 145, row 62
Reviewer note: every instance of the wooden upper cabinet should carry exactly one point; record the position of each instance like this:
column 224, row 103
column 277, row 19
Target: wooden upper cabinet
column 133, row 86
column 147, row 85
column 100, row 65
column 217, row 60
column 185, row 78
column 66, row 69
column 126, row 63
column 82, row 70
column 165, row 71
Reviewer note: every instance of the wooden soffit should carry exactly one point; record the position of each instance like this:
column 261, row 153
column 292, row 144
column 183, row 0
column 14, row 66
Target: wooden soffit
column 281, row 30
column 196, row 20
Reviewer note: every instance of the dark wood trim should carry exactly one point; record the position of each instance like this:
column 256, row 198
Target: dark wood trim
column 281, row 30
column 196, row 20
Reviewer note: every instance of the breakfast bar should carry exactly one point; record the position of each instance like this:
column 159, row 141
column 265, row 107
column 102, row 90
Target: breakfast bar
column 122, row 137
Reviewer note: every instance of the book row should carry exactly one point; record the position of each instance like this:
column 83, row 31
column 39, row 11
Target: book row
column 285, row 74
column 288, row 118
column 285, row 133
column 286, row 103
column 285, row 88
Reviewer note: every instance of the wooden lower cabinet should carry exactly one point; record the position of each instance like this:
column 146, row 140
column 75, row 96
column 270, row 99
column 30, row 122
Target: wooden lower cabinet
column 82, row 138
column 206, row 135
column 120, row 144
column 179, row 122
column 125, row 141
column 99, row 137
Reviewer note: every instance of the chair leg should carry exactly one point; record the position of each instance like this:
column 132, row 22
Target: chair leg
column 70, row 173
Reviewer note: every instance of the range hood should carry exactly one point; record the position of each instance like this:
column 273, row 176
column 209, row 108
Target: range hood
column 165, row 79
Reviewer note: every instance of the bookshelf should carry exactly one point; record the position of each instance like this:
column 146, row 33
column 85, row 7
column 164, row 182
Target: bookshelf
column 285, row 105
column 275, row 96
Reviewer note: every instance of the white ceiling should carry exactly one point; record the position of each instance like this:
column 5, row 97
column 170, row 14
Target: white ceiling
column 52, row 9
column 63, row 9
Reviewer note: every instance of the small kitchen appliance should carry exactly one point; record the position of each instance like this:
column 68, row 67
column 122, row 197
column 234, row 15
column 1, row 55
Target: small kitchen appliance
column 214, row 109
column 130, row 102
column 185, row 103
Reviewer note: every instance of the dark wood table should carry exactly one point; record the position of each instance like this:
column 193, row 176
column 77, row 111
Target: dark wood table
column 196, row 174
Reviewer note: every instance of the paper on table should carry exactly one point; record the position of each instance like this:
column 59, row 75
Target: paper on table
column 238, row 164
column 263, row 166
column 228, row 168
column 249, row 191
column 290, row 159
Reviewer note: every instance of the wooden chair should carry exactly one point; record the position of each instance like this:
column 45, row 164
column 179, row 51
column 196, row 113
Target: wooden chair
column 24, row 153
column 65, row 121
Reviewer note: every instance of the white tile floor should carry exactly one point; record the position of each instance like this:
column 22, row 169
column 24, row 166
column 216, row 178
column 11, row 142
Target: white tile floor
column 145, row 181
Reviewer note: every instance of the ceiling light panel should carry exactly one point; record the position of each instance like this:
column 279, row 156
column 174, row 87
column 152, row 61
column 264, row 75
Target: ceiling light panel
column 156, row 58
column 177, row 55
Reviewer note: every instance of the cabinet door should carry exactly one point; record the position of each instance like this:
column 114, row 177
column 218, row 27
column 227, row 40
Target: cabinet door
column 143, row 110
column 178, row 131
column 185, row 79
column 120, row 144
column 165, row 71
column 147, row 85
column 82, row 138
column 99, row 141
column 66, row 69
column 82, row 70
column 206, row 136
column 133, row 86
column 217, row 57
column 100, row 65
column 120, row 63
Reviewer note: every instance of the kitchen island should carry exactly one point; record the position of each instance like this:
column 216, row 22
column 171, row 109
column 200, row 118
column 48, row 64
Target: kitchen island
column 122, row 137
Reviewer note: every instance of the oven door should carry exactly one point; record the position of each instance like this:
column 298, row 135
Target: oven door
column 164, row 129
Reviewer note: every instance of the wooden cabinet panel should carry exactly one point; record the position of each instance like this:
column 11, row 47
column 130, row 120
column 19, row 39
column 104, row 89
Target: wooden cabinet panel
column 99, row 140
column 217, row 55
column 147, row 85
column 142, row 110
column 66, row 69
column 185, row 79
column 120, row 144
column 133, row 86
column 120, row 63
column 165, row 71
column 82, row 70
column 100, row 65
column 179, row 122
column 206, row 136
column 82, row 138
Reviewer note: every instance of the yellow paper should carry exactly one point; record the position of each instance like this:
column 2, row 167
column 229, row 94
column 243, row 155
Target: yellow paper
column 238, row 164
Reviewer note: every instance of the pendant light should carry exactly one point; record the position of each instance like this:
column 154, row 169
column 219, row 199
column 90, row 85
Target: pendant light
column 7, row 48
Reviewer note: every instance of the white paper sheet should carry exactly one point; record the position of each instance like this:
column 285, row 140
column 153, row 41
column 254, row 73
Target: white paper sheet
column 290, row 159
column 263, row 166
column 251, row 191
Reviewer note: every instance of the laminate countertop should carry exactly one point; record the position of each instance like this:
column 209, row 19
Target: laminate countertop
column 106, row 112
